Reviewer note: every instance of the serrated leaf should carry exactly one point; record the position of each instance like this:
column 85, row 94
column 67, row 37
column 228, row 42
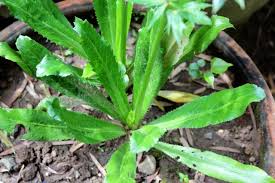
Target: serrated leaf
column 39, row 124
column 114, row 17
column 217, row 5
column 104, row 64
column 176, row 24
column 8, row 53
column 219, row 66
column 214, row 165
column 84, row 128
column 204, row 36
column 32, row 53
column 214, row 109
column 45, row 18
column 177, row 96
column 52, row 66
column 209, row 78
column 123, row 19
column 147, row 70
column 122, row 166
column 106, row 17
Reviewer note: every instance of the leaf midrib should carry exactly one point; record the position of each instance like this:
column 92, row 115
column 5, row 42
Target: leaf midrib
column 195, row 116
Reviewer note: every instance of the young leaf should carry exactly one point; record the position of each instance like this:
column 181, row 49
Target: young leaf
column 39, row 124
column 205, row 111
column 204, row 36
column 103, row 61
column 44, row 17
column 32, row 53
column 106, row 16
column 122, row 166
column 52, row 66
column 88, row 71
column 84, row 128
column 219, row 66
column 209, row 78
column 214, row 165
column 8, row 53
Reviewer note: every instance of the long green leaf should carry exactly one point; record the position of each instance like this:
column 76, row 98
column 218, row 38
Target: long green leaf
column 114, row 18
column 32, row 53
column 215, row 165
column 44, row 17
column 84, row 128
column 148, row 68
column 122, row 166
column 39, row 124
column 103, row 61
column 106, row 17
column 214, row 109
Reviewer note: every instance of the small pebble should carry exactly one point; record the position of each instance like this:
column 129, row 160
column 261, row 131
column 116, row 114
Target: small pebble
column 252, row 159
column 8, row 163
column 148, row 165
column 208, row 136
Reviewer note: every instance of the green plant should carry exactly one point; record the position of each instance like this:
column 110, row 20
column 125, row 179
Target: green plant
column 197, row 69
column 169, row 36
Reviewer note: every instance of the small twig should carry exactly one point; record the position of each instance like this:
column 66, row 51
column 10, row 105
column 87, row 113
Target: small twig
column 20, row 173
column 183, row 141
column 17, row 93
column 61, row 143
column 204, row 57
column 15, row 148
column 3, row 105
column 98, row 165
column 76, row 146
column 189, row 136
column 216, row 88
column 225, row 149
column 200, row 90
column 150, row 178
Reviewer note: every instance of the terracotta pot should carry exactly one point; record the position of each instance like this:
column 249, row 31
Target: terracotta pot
column 265, row 110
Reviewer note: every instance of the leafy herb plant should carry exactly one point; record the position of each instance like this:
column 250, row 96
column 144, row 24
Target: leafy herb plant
column 173, row 32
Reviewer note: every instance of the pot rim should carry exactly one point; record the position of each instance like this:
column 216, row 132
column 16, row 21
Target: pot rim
column 230, row 48
column 265, row 109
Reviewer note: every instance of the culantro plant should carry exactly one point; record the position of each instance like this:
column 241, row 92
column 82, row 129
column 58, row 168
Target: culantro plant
column 173, row 31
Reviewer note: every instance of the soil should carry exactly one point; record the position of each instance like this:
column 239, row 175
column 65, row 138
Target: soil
column 62, row 162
